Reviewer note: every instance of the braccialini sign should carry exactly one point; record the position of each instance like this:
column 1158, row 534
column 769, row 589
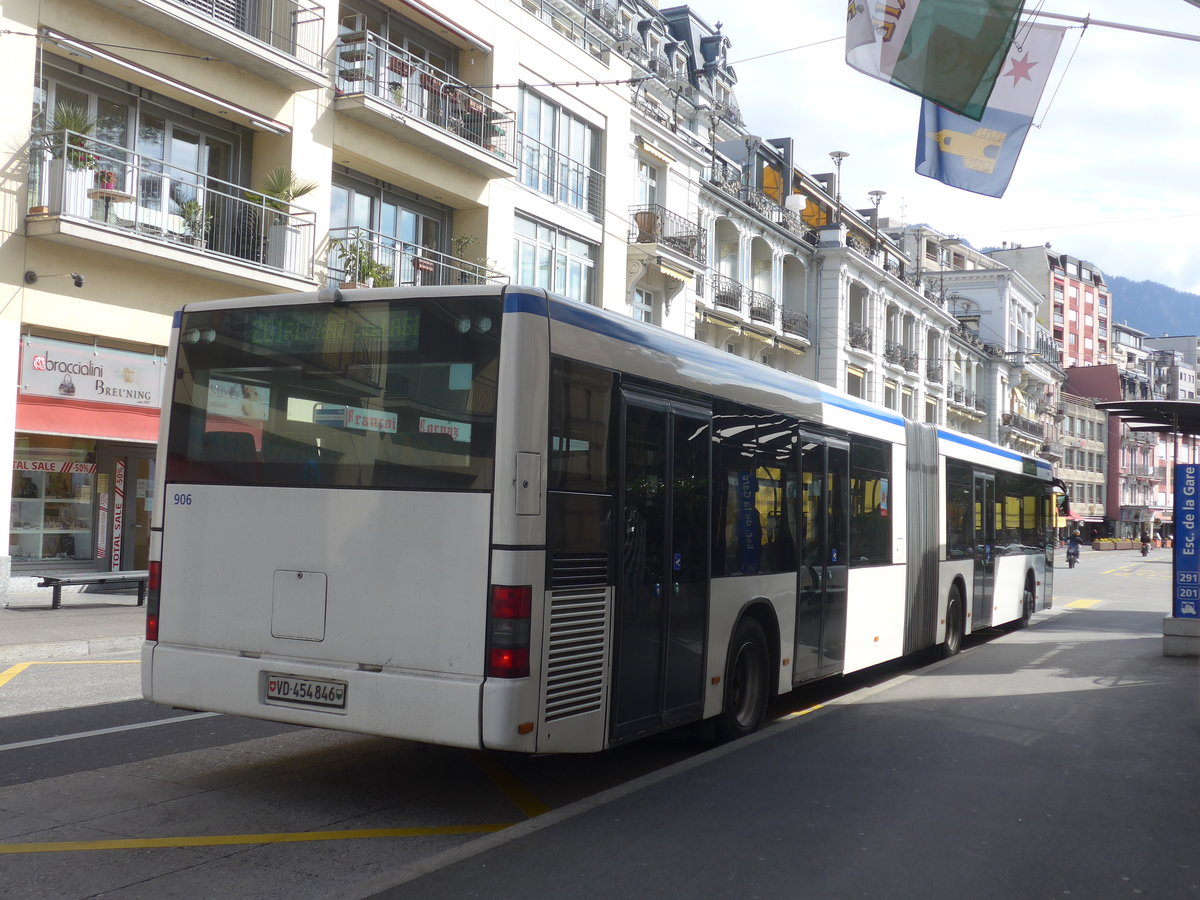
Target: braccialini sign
column 98, row 374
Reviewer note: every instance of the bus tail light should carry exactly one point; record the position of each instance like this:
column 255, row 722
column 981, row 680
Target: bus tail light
column 152, row 596
column 510, row 608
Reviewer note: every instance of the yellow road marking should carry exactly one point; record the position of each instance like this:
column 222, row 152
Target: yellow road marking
column 1082, row 604
column 523, row 798
column 13, row 671
column 802, row 712
column 225, row 840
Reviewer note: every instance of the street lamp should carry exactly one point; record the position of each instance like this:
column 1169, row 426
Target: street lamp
column 837, row 156
column 876, row 198
column 941, row 245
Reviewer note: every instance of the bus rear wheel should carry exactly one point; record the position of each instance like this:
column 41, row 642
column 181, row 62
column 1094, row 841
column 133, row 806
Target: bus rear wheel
column 1028, row 604
column 952, row 642
column 747, row 688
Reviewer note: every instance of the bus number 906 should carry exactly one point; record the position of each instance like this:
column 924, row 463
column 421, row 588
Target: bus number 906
column 183, row 499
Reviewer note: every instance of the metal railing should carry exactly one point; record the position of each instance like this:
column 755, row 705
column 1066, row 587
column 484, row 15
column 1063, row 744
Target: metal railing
column 762, row 307
column 571, row 24
column 361, row 256
column 794, row 322
column 1021, row 423
column 78, row 177
column 555, row 174
column 794, row 222
column 893, row 351
column 292, row 27
column 861, row 336
column 727, row 293
column 933, row 372
column 654, row 224
column 369, row 65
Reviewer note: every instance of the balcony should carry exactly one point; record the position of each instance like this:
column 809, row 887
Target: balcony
column 1024, row 425
column 762, row 307
column 551, row 172
column 358, row 256
column 385, row 87
column 893, row 352
column 860, row 336
column 727, row 293
column 86, row 192
column 281, row 41
column 653, row 224
column 570, row 22
column 794, row 222
column 795, row 322
column 933, row 372
column 725, row 178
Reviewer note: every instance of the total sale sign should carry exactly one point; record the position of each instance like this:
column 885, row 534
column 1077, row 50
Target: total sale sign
column 1186, row 586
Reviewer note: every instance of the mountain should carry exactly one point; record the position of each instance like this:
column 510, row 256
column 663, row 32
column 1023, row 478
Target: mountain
column 1154, row 308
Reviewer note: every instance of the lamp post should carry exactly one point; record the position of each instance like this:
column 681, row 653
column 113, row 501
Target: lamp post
column 837, row 156
column 942, row 244
column 876, row 198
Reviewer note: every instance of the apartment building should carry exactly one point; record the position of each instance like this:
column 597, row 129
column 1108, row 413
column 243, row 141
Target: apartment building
column 1084, row 467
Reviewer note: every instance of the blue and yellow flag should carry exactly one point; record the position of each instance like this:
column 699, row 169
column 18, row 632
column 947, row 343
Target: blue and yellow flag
column 980, row 156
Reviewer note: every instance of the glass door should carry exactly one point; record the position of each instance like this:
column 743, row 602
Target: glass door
column 823, row 527
column 662, row 586
column 985, row 551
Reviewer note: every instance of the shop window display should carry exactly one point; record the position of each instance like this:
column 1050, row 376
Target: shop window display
column 53, row 495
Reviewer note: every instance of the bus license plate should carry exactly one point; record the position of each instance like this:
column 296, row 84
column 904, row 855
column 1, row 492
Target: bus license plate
column 305, row 691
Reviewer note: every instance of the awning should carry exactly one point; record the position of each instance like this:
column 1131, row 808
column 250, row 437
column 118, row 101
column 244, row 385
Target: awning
column 654, row 151
column 78, row 418
column 682, row 275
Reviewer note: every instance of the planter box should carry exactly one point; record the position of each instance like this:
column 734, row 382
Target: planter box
column 1104, row 546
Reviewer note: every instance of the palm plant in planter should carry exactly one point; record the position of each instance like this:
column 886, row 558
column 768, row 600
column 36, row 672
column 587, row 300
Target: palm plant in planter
column 70, row 160
column 280, row 187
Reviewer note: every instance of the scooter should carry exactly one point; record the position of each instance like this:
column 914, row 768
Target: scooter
column 1145, row 548
column 1072, row 557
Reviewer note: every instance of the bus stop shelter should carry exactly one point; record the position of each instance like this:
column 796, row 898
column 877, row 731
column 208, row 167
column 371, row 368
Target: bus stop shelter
column 1180, row 418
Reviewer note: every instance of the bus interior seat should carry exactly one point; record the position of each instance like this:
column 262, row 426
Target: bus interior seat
column 288, row 452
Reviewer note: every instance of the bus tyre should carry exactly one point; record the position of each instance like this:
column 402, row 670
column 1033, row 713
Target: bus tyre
column 952, row 642
column 1028, row 604
column 747, row 688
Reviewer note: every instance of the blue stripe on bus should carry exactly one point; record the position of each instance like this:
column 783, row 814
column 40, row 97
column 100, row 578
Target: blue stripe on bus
column 177, row 318
column 523, row 302
column 990, row 448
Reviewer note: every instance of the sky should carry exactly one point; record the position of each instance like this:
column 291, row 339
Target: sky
column 1110, row 173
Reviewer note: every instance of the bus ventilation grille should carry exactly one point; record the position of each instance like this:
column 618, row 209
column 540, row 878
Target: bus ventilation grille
column 578, row 637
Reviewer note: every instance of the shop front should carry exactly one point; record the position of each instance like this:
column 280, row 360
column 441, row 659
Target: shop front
column 83, row 458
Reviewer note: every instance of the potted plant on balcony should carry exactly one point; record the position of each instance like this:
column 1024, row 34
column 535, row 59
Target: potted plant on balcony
column 196, row 221
column 280, row 188
column 356, row 258
column 71, row 160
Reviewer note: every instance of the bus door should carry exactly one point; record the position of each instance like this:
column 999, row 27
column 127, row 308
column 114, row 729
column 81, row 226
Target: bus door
column 821, row 558
column 985, row 551
column 662, row 586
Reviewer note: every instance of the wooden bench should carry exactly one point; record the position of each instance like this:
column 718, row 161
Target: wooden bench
column 140, row 577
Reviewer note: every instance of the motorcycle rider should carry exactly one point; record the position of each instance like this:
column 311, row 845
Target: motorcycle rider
column 1073, row 545
column 1145, row 540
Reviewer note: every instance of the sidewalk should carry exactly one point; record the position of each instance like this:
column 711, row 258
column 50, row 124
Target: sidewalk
column 87, row 623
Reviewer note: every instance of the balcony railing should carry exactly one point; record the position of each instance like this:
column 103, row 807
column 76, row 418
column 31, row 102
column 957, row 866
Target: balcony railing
column 292, row 27
column 1022, row 424
column 794, row 222
column 571, row 24
column 794, row 322
column 554, row 173
column 107, row 186
column 727, row 293
column 933, row 372
column 861, row 337
column 893, row 351
column 361, row 256
column 653, row 224
column 725, row 178
column 369, row 65
column 762, row 307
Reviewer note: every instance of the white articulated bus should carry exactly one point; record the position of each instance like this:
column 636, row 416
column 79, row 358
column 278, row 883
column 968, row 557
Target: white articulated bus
column 492, row 517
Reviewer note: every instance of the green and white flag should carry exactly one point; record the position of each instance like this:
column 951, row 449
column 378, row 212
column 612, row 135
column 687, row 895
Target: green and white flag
column 947, row 51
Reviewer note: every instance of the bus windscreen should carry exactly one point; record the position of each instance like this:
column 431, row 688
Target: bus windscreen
column 376, row 394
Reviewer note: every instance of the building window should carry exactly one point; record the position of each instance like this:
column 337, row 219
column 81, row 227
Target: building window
column 559, row 154
column 856, row 382
column 546, row 257
column 889, row 394
column 647, row 183
column 643, row 307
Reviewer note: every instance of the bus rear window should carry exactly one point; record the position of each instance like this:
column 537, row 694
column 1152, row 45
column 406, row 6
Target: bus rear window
column 384, row 394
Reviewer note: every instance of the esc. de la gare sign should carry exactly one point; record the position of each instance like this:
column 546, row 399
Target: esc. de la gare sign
column 1186, row 600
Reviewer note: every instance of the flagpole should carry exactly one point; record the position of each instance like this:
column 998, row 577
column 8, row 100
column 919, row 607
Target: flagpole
column 1090, row 21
